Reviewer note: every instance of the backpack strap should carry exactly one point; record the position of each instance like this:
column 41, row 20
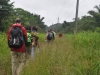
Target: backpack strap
column 17, row 25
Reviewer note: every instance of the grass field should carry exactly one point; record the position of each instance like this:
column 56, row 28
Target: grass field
column 70, row 55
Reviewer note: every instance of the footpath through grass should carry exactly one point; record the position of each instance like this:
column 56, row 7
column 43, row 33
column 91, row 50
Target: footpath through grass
column 70, row 55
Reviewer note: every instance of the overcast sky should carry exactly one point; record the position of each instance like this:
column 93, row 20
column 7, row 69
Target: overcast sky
column 52, row 9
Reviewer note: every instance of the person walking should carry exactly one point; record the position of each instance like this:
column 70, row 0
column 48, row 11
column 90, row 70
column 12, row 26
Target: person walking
column 28, row 44
column 50, row 37
column 35, row 41
column 60, row 35
column 17, row 37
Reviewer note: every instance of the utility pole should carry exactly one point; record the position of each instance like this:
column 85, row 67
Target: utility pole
column 76, row 17
column 57, row 24
column 58, row 20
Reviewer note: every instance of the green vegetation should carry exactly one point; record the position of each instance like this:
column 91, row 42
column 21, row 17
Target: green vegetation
column 5, row 58
column 85, row 23
column 8, row 14
column 70, row 55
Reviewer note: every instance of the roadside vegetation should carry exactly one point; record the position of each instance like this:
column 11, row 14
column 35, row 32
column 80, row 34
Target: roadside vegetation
column 70, row 55
column 5, row 58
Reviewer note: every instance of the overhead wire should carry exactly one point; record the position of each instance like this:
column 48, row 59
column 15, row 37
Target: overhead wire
column 68, row 8
column 64, row 3
column 73, row 9
column 81, row 2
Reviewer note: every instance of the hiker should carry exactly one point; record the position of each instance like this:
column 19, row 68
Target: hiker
column 60, row 35
column 28, row 44
column 50, row 36
column 35, row 41
column 17, row 37
column 53, row 33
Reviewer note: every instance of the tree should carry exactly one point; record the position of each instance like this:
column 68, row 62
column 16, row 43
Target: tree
column 66, row 26
column 5, row 11
column 86, row 23
column 96, row 15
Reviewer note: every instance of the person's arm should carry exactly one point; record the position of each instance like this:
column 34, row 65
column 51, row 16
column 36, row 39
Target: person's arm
column 8, row 34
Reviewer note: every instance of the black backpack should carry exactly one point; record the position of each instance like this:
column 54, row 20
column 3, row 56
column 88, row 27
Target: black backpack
column 16, row 38
column 50, row 36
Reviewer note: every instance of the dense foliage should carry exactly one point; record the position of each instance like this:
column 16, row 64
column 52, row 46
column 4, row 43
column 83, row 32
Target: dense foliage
column 85, row 23
column 8, row 14
column 70, row 55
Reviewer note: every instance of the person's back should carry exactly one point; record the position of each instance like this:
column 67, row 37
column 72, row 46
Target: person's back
column 29, row 39
column 60, row 35
column 18, row 24
column 35, row 36
column 18, row 54
column 50, row 36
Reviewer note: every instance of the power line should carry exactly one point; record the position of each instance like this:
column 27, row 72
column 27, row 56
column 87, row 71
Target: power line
column 63, row 6
column 68, row 8
column 71, row 13
column 74, row 9
column 81, row 2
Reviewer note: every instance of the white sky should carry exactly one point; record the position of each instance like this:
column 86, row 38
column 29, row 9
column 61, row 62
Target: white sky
column 52, row 9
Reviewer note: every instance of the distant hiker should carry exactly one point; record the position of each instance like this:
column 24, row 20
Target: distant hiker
column 60, row 35
column 50, row 36
column 53, row 33
column 17, row 37
column 28, row 44
column 35, row 41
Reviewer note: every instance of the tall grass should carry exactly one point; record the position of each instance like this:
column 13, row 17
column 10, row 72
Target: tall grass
column 5, row 58
column 70, row 55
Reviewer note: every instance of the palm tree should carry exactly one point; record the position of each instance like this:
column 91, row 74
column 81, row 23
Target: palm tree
column 96, row 15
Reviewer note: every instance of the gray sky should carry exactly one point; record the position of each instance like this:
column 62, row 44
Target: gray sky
column 52, row 9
